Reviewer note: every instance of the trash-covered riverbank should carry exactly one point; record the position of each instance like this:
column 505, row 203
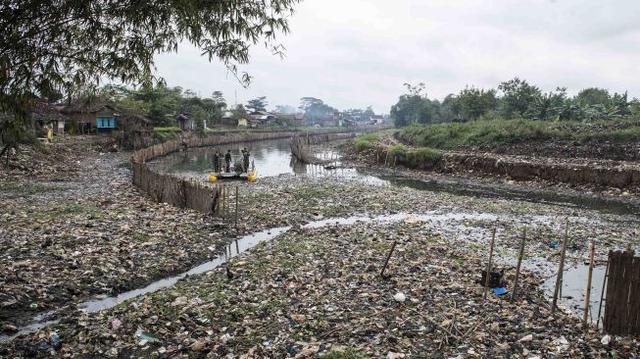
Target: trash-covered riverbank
column 315, row 291
column 96, row 235
column 90, row 232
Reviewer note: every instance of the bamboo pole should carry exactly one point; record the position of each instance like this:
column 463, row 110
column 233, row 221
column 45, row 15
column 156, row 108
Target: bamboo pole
column 558, row 291
column 395, row 160
column 236, row 215
column 488, row 271
column 520, row 255
column 604, row 284
column 393, row 246
column 587, row 296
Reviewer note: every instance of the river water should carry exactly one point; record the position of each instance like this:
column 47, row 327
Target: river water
column 273, row 158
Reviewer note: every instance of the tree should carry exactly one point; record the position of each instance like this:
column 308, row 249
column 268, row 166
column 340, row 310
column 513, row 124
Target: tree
column 239, row 112
column 257, row 104
column 549, row 106
column 414, row 107
column 315, row 109
column 472, row 103
column 62, row 45
column 368, row 113
column 285, row 109
column 593, row 96
column 518, row 95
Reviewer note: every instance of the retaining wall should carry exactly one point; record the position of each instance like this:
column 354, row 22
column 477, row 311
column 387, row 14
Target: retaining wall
column 521, row 169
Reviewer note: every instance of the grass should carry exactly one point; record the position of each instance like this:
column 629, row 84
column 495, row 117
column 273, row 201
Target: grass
column 499, row 131
column 348, row 353
column 162, row 134
column 366, row 141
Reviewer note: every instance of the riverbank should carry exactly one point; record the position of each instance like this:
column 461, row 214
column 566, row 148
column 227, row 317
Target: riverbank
column 585, row 174
column 89, row 232
column 456, row 227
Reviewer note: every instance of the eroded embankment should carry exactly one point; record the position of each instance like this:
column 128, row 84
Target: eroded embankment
column 616, row 174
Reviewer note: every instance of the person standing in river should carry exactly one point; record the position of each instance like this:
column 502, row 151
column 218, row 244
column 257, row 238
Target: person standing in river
column 216, row 161
column 245, row 159
column 227, row 159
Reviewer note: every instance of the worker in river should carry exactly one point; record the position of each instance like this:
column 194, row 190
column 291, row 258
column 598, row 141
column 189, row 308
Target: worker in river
column 216, row 161
column 227, row 159
column 245, row 159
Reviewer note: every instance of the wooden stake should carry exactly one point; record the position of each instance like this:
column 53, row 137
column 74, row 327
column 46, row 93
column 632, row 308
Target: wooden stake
column 587, row 295
column 222, row 201
column 395, row 159
column 604, row 284
column 236, row 216
column 393, row 246
column 488, row 271
column 520, row 255
column 558, row 291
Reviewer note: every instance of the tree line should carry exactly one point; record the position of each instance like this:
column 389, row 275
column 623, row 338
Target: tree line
column 515, row 98
column 162, row 104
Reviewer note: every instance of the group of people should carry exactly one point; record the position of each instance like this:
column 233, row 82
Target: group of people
column 217, row 159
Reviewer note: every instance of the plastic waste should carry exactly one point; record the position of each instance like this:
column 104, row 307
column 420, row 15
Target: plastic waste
column 500, row 291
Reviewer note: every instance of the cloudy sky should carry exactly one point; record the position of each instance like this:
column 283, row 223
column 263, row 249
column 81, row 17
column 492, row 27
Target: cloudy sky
column 355, row 53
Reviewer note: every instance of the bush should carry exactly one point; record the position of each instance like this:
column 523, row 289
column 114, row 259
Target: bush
column 366, row 141
column 162, row 134
column 500, row 131
column 399, row 150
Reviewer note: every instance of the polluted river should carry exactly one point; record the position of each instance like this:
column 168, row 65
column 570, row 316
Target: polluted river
column 469, row 226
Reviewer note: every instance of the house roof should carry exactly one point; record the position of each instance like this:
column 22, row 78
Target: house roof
column 88, row 107
column 46, row 112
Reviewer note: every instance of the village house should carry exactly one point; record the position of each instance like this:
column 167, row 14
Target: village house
column 290, row 119
column 92, row 117
column 47, row 115
column 185, row 122
column 229, row 120
column 262, row 119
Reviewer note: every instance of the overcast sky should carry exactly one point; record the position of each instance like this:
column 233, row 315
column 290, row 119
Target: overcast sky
column 355, row 53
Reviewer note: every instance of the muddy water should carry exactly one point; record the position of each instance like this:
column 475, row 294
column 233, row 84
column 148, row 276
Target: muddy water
column 273, row 158
column 574, row 286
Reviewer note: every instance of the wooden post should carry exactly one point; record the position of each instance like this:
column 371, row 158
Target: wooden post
column 488, row 271
column 393, row 246
column 587, row 296
column 221, row 201
column 236, row 215
column 557, row 292
column 520, row 255
column 604, row 284
column 395, row 160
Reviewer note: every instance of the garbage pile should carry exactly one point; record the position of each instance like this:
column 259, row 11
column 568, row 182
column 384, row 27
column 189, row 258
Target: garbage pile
column 319, row 291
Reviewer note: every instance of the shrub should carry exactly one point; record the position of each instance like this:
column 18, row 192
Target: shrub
column 366, row 141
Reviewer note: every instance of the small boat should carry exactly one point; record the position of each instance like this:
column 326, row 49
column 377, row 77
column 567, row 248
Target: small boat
column 250, row 176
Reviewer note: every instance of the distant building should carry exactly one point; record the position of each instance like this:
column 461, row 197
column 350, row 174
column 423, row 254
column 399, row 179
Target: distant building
column 262, row 119
column 92, row 117
column 376, row 120
column 290, row 119
column 185, row 122
column 48, row 115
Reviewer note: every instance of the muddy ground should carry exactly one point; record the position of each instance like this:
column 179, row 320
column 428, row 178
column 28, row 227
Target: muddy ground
column 96, row 234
